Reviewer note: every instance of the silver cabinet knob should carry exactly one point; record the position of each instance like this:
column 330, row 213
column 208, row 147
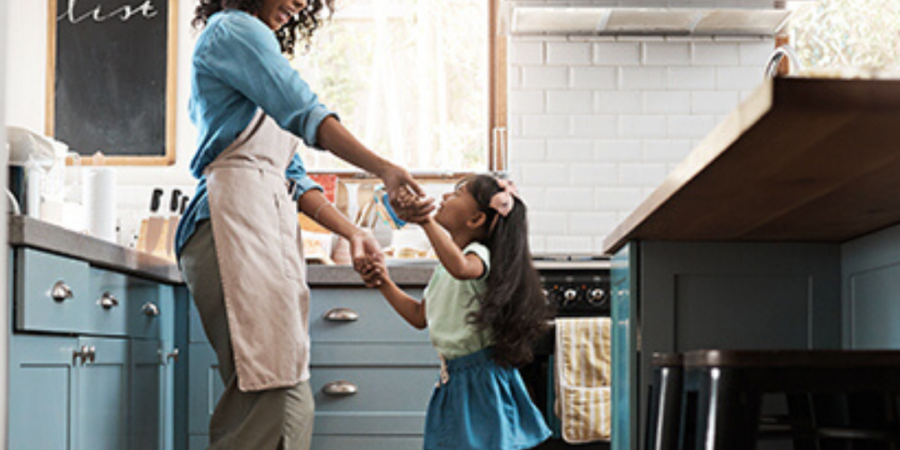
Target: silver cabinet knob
column 173, row 355
column 150, row 310
column 86, row 354
column 341, row 315
column 107, row 301
column 61, row 291
column 340, row 388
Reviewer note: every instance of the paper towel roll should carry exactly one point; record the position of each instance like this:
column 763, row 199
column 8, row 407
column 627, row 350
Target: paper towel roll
column 99, row 197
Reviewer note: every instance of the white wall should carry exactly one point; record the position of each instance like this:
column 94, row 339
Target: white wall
column 597, row 123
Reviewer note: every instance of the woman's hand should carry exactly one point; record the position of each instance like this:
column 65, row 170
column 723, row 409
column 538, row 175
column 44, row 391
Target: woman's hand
column 364, row 250
column 376, row 274
column 406, row 195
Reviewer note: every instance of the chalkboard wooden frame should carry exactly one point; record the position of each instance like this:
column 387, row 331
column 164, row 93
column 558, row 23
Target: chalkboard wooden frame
column 166, row 155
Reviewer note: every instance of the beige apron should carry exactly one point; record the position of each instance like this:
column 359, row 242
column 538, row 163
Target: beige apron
column 257, row 239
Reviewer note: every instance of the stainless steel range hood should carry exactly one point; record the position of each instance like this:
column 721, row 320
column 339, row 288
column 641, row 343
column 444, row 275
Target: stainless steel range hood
column 549, row 19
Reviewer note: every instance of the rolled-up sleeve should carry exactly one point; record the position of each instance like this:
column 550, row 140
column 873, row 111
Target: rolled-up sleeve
column 296, row 172
column 245, row 54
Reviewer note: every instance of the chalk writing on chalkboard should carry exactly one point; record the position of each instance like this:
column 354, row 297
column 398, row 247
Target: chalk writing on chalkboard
column 111, row 80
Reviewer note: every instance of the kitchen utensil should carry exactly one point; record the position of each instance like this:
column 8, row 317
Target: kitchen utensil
column 152, row 226
column 172, row 224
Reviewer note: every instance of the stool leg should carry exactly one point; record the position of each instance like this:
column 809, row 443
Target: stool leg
column 729, row 415
column 662, row 423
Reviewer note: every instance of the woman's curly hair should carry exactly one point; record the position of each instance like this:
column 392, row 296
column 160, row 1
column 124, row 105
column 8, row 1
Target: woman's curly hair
column 299, row 28
column 513, row 307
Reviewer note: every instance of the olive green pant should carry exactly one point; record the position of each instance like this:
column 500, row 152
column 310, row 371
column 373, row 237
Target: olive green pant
column 277, row 419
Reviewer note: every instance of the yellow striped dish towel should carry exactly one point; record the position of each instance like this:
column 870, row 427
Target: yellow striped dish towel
column 583, row 378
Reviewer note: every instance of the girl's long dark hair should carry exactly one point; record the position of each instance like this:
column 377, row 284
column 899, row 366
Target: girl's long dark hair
column 300, row 27
column 514, row 307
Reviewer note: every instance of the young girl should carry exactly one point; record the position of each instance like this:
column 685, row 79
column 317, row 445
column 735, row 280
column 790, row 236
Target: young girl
column 484, row 308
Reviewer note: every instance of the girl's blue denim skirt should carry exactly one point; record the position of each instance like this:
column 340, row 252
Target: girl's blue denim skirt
column 482, row 406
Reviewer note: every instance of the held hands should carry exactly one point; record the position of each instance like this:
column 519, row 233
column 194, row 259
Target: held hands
column 375, row 274
column 365, row 251
column 407, row 196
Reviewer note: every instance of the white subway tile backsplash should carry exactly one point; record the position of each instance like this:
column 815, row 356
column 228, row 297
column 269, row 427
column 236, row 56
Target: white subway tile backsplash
column 523, row 52
column 642, row 127
column 569, row 198
column 617, row 53
column 569, row 53
column 641, row 174
column 547, row 222
column 545, row 174
column 756, row 54
column 525, row 102
column 601, row 174
column 597, row 123
column 713, row 102
column 715, row 54
column 738, row 78
column 604, row 127
column 544, row 77
column 640, row 78
column 618, row 102
column 591, row 223
column 545, row 126
column 621, row 150
column 569, row 244
column 667, row 102
column 570, row 150
column 691, row 78
column 527, row 150
column 616, row 199
column 572, row 102
column 666, row 150
column 667, row 53
column 594, row 78
column 681, row 127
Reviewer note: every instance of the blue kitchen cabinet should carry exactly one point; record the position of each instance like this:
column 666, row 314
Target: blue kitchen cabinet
column 681, row 296
column 358, row 343
column 91, row 356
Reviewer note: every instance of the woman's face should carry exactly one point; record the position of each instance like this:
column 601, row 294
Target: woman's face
column 276, row 13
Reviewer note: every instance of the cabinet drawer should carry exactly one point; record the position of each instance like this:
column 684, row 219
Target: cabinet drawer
column 386, row 400
column 345, row 442
column 358, row 315
column 52, row 292
column 149, row 306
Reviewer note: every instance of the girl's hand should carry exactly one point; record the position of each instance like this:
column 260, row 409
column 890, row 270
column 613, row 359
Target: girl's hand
column 376, row 274
column 406, row 195
column 364, row 250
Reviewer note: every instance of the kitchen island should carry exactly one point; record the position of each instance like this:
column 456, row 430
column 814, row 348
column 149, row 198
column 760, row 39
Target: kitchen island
column 779, row 231
column 108, row 339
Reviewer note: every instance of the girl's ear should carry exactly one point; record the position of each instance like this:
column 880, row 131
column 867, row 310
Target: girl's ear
column 477, row 220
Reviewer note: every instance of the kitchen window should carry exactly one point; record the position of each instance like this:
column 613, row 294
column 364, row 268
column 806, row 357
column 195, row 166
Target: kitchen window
column 412, row 80
column 848, row 33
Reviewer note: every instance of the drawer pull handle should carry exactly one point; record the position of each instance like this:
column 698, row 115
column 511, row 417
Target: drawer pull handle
column 107, row 301
column 61, row 291
column 150, row 310
column 341, row 315
column 85, row 354
column 340, row 388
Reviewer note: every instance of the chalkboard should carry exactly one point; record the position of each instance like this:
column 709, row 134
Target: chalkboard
column 111, row 78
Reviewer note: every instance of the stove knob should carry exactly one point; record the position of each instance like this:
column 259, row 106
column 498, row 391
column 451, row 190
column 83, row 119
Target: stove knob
column 569, row 296
column 596, row 296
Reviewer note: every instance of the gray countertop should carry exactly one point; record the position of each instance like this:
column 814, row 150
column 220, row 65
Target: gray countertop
column 28, row 232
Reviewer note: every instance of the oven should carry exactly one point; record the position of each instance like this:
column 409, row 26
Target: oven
column 577, row 287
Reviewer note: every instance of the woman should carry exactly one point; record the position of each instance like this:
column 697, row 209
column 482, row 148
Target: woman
column 238, row 242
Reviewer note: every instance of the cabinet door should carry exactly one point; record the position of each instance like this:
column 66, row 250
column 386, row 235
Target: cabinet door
column 102, row 405
column 205, row 387
column 148, row 391
column 41, row 392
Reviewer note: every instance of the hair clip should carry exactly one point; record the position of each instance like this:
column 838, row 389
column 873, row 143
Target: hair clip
column 503, row 201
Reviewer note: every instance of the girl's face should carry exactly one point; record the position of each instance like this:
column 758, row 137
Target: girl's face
column 458, row 210
column 276, row 13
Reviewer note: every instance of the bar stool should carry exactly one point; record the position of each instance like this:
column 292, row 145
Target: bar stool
column 664, row 402
column 723, row 391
